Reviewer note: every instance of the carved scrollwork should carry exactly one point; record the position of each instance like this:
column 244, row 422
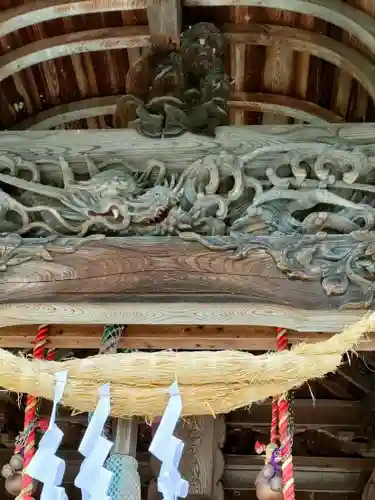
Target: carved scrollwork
column 309, row 188
column 342, row 264
column 185, row 90
column 15, row 250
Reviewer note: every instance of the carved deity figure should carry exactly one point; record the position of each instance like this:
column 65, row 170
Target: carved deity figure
column 183, row 90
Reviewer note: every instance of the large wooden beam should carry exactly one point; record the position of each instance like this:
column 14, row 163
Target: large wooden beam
column 313, row 474
column 195, row 337
column 241, row 275
column 140, row 271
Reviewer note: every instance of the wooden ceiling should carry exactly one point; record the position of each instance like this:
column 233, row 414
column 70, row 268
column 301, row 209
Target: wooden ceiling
column 64, row 62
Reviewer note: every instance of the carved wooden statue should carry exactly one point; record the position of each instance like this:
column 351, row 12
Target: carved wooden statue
column 184, row 90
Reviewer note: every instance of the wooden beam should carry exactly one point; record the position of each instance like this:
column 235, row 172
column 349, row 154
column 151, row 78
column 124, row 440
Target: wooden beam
column 343, row 15
column 326, row 414
column 37, row 11
column 100, row 106
column 199, row 313
column 347, row 58
column 178, row 154
column 195, row 337
column 164, row 21
column 240, row 279
column 313, row 474
column 72, row 43
column 156, row 270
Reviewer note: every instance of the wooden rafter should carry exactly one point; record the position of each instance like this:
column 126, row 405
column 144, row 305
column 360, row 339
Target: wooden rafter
column 38, row 11
column 101, row 106
column 164, row 20
column 350, row 19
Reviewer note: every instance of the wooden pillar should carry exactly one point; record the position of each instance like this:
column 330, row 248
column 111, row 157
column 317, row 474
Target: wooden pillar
column 125, row 436
column 202, row 463
column 164, row 20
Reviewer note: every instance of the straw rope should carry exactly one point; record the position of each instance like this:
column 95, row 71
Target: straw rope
column 216, row 382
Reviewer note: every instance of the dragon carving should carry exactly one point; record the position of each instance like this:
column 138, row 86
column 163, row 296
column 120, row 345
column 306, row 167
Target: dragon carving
column 303, row 192
column 310, row 205
column 119, row 201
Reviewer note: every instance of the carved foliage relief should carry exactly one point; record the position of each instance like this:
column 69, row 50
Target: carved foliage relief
column 310, row 205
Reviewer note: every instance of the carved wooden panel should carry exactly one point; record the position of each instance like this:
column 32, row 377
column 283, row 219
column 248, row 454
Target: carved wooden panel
column 247, row 210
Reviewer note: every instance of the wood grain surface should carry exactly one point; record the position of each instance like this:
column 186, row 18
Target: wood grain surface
column 196, row 337
column 38, row 11
column 73, row 43
column 148, row 269
column 115, row 279
column 100, row 106
column 350, row 19
column 177, row 153
column 176, row 314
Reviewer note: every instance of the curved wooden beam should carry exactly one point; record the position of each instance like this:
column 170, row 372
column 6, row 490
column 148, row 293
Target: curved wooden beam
column 346, row 58
column 100, row 106
column 73, row 43
column 336, row 12
column 38, row 11
column 328, row 49
column 298, row 109
column 65, row 113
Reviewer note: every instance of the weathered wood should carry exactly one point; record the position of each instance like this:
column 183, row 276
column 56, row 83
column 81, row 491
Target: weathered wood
column 313, row 474
column 164, row 21
column 167, row 313
column 343, row 15
column 348, row 59
column 319, row 414
column 240, row 35
column 100, row 106
column 125, row 436
column 255, row 246
column 196, row 337
column 145, row 269
column 46, row 146
column 38, row 11
column 73, row 43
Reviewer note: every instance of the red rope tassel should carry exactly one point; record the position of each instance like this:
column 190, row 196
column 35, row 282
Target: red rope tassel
column 30, row 415
column 285, row 437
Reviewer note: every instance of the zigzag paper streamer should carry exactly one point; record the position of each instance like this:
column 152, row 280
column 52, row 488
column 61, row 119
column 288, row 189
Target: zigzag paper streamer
column 45, row 466
column 93, row 479
column 168, row 449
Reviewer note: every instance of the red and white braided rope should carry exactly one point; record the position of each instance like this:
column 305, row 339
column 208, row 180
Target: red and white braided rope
column 285, row 436
column 31, row 415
